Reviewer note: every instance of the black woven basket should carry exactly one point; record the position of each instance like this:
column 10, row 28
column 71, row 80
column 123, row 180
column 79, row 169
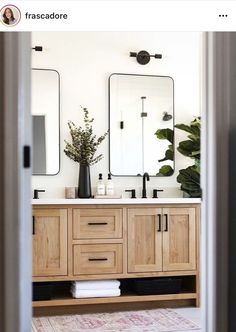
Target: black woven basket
column 156, row 286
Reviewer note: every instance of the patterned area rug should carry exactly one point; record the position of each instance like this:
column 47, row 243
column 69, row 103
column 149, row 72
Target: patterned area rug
column 158, row 320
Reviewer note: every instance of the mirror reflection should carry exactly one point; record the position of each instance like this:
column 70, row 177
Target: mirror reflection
column 140, row 105
column 45, row 105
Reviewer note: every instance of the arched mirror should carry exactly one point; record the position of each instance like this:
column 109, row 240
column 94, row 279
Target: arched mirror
column 141, row 124
column 45, row 105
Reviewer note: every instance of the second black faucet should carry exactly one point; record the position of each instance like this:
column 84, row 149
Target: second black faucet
column 144, row 190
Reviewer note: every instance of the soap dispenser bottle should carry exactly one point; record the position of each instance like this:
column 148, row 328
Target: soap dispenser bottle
column 109, row 186
column 100, row 185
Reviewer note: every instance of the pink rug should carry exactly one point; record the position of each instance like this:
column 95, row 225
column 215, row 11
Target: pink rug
column 158, row 320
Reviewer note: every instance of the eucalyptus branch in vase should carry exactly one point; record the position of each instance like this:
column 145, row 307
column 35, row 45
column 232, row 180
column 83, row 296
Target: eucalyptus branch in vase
column 82, row 149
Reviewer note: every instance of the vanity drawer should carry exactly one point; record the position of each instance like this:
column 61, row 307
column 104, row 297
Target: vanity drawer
column 97, row 223
column 97, row 258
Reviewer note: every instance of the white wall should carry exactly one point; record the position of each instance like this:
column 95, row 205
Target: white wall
column 85, row 61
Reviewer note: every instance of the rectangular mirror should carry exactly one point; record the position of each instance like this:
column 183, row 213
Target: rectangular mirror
column 45, row 105
column 139, row 105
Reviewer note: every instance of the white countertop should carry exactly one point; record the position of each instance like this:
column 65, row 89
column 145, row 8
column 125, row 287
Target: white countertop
column 121, row 201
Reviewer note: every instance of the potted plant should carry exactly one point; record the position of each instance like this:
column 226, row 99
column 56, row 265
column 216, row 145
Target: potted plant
column 82, row 150
column 189, row 178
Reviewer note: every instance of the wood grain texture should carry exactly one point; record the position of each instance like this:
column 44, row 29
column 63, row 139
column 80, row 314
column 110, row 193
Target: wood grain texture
column 97, row 223
column 179, row 241
column 131, row 243
column 50, row 242
column 144, row 240
column 198, row 279
column 110, row 307
column 97, row 258
column 69, row 248
column 118, row 299
column 116, row 276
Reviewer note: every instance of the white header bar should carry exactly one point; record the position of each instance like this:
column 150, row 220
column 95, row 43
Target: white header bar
column 128, row 15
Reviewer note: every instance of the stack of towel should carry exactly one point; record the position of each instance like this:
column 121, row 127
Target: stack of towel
column 95, row 288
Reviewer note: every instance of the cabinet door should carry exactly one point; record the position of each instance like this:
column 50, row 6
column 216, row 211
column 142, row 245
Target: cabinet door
column 179, row 239
column 144, row 240
column 50, row 242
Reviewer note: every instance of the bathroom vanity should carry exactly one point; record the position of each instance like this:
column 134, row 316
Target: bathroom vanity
column 92, row 239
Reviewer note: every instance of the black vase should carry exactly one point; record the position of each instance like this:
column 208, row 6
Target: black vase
column 84, row 190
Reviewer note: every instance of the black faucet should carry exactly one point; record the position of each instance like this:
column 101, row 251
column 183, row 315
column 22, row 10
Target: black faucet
column 144, row 191
column 36, row 193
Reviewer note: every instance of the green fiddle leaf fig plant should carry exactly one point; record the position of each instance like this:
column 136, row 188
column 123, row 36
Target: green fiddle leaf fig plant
column 189, row 178
column 166, row 170
column 166, row 134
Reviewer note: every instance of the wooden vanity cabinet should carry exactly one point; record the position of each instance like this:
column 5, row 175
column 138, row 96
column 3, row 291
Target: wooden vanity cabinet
column 49, row 242
column 161, row 239
column 92, row 242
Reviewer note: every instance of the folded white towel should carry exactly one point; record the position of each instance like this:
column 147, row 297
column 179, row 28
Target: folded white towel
column 95, row 293
column 96, row 284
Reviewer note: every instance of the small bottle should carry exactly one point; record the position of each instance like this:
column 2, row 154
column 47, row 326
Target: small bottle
column 109, row 186
column 100, row 185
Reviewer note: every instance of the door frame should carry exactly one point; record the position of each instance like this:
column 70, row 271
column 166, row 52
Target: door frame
column 15, row 179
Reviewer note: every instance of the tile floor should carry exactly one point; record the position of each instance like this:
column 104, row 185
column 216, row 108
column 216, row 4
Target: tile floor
column 194, row 314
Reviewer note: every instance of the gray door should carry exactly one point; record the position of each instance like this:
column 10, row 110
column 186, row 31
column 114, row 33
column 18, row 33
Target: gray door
column 15, row 175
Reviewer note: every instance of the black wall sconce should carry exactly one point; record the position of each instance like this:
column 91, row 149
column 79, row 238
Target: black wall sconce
column 143, row 57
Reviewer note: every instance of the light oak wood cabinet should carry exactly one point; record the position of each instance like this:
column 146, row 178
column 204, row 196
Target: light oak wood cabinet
column 179, row 239
column 92, row 242
column 144, row 240
column 161, row 239
column 97, row 258
column 49, row 242
column 97, row 223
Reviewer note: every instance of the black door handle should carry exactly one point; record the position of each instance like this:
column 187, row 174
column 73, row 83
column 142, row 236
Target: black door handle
column 33, row 225
column 166, row 228
column 159, row 222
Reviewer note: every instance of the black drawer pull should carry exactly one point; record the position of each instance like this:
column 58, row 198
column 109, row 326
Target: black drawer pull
column 33, row 225
column 166, row 228
column 159, row 222
column 97, row 223
column 97, row 259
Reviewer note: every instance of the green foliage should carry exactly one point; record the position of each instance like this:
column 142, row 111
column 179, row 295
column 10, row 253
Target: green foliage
column 169, row 154
column 190, row 181
column 165, row 170
column 166, row 134
column 190, row 176
column 84, row 143
column 191, row 147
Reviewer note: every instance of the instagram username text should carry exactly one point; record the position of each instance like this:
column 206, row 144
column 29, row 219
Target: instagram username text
column 52, row 16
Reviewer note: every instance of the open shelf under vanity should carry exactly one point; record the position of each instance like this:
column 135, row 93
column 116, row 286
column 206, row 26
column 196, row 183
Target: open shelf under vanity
column 61, row 295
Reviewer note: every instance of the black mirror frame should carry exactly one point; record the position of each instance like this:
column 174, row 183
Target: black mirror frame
column 59, row 119
column 109, row 123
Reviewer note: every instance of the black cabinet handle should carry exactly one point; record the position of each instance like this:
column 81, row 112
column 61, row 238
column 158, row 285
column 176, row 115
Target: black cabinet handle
column 159, row 223
column 166, row 228
column 97, row 259
column 97, row 223
column 33, row 225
